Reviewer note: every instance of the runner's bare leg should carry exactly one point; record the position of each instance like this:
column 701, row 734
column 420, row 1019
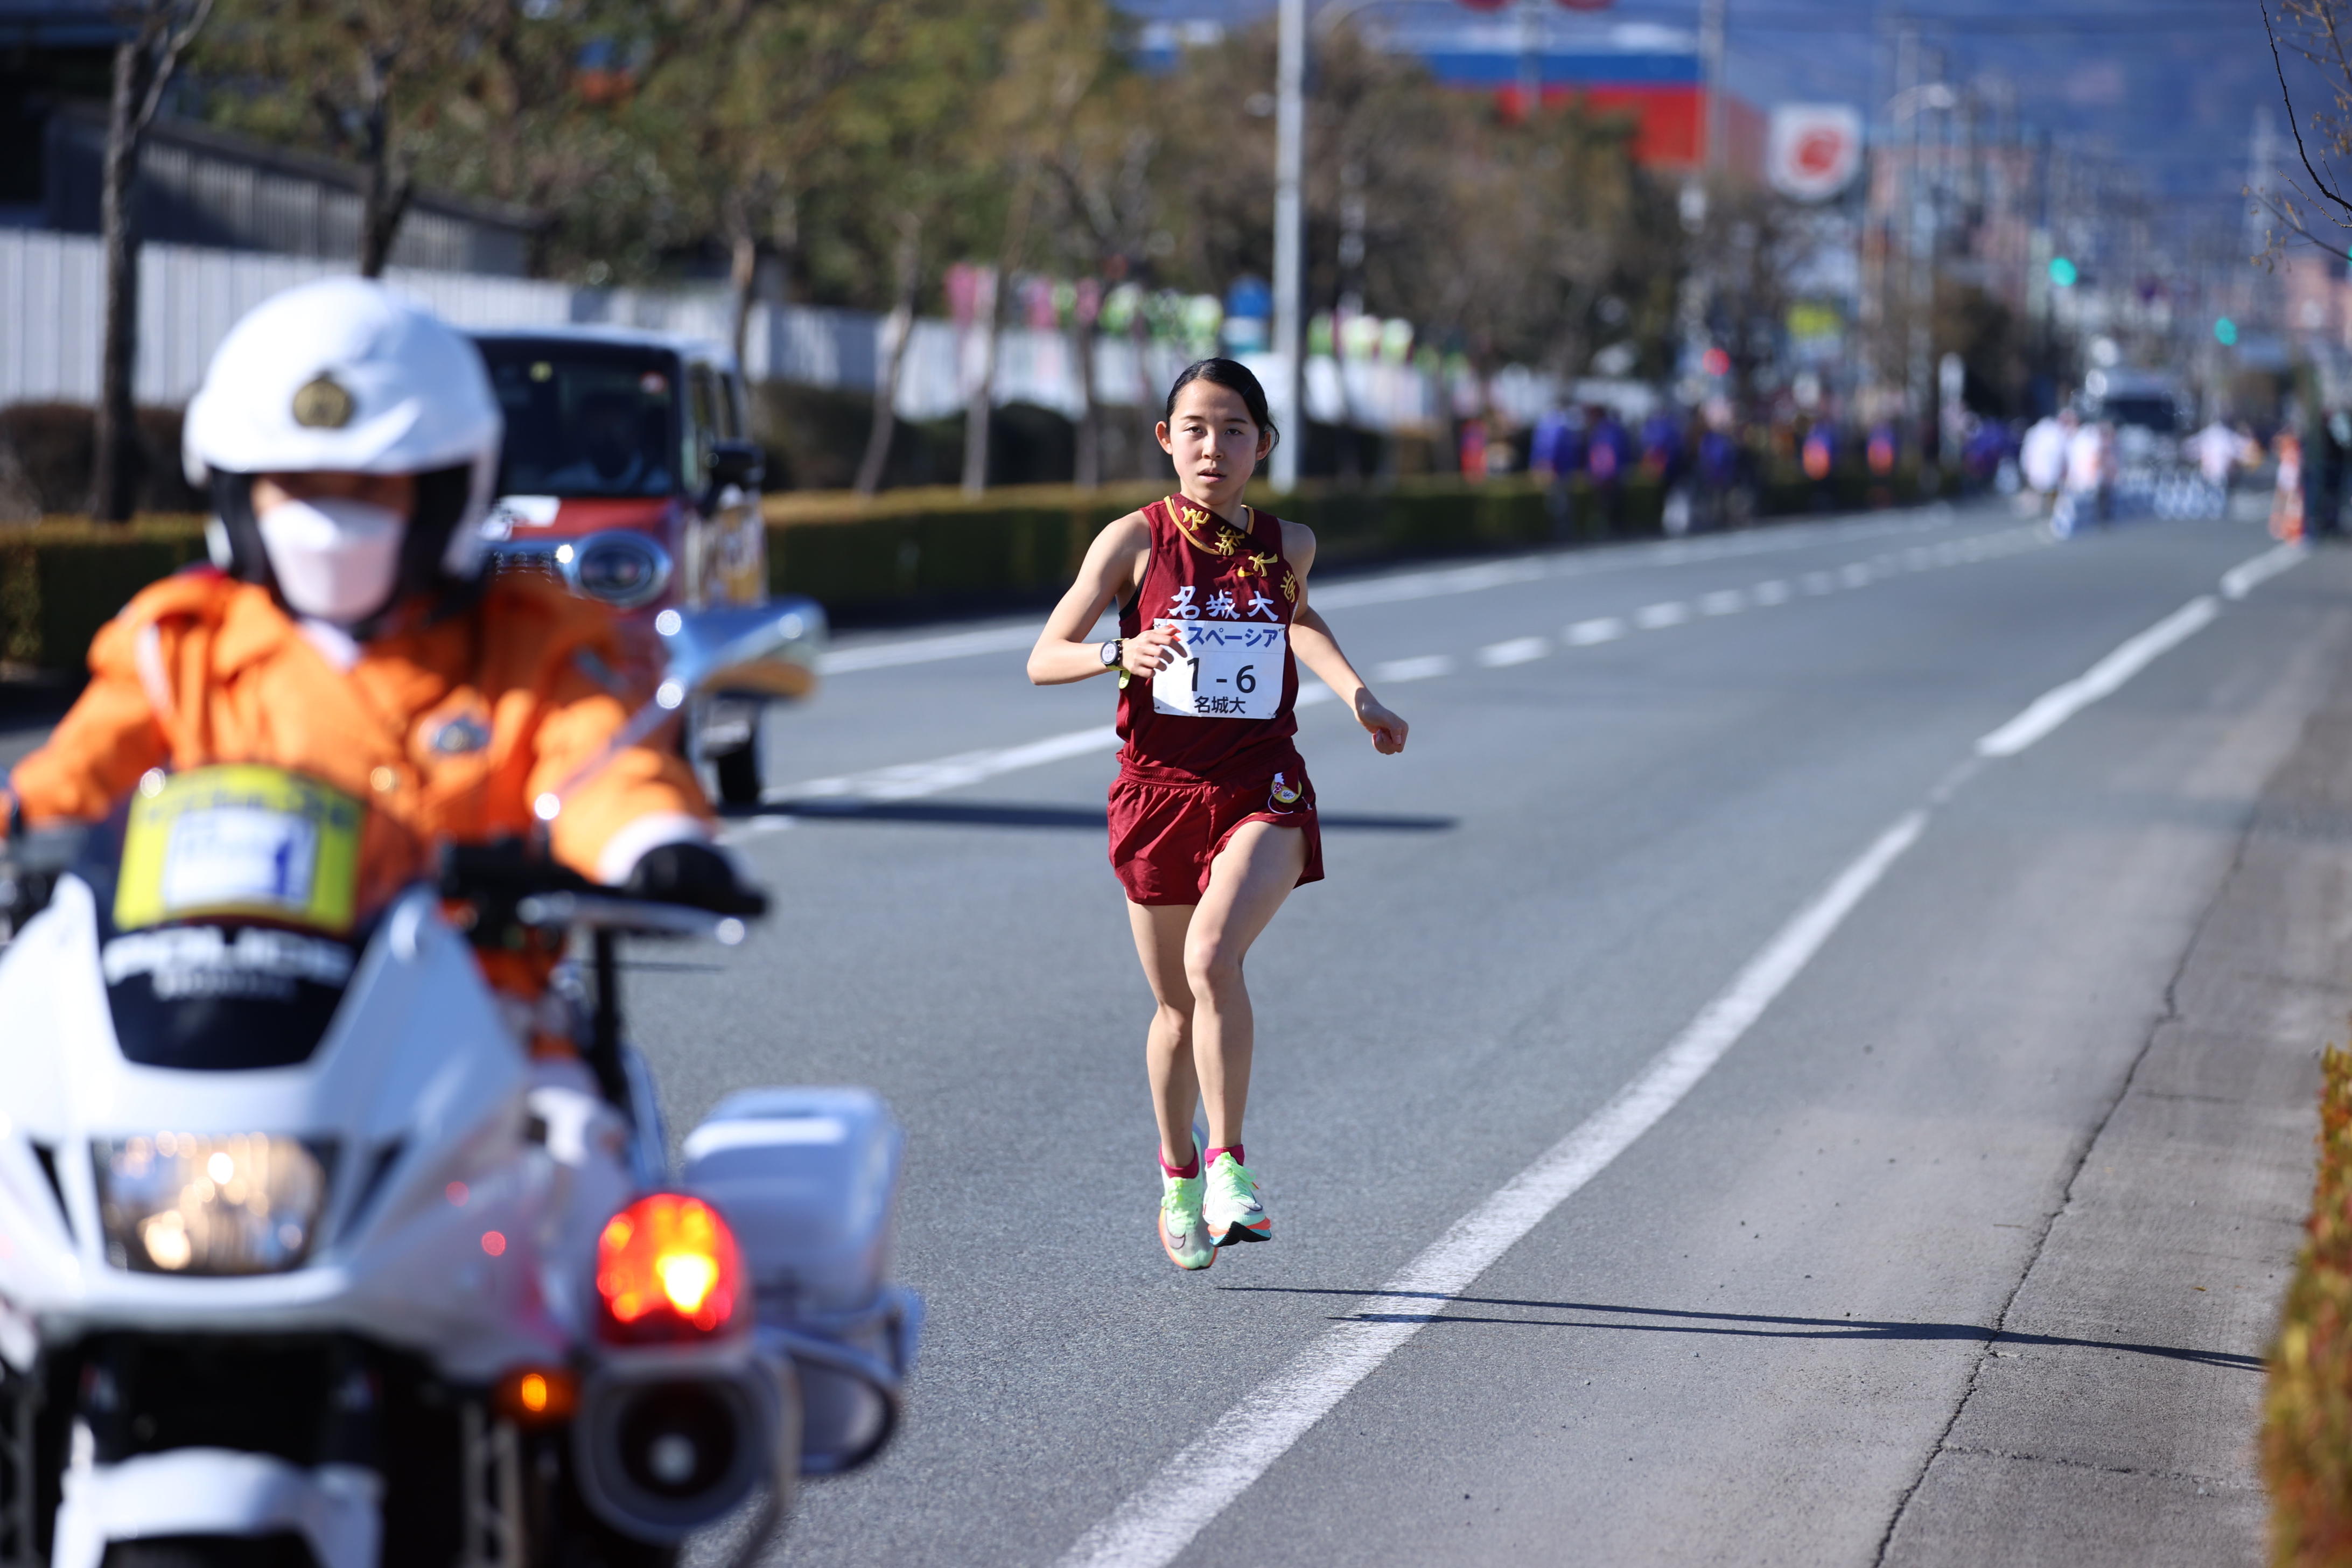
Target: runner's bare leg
column 1168, row 1045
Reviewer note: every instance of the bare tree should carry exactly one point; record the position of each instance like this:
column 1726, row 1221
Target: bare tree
column 898, row 328
column 145, row 64
column 2314, row 30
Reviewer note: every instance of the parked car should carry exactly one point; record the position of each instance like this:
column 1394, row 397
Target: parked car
column 629, row 475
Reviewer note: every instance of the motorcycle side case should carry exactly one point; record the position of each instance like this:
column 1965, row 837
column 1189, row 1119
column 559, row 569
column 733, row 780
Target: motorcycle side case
column 809, row 1180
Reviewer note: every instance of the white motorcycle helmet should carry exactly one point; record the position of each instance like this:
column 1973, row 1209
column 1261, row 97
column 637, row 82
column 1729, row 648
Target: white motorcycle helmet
column 344, row 375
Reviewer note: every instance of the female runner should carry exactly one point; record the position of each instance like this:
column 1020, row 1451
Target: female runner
column 1212, row 819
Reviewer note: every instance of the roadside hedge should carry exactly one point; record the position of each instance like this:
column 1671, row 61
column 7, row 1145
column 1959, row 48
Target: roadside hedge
column 911, row 552
column 2307, row 1413
column 62, row 580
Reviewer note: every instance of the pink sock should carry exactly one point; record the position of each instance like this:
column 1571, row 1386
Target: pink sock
column 1232, row 1149
column 1186, row 1170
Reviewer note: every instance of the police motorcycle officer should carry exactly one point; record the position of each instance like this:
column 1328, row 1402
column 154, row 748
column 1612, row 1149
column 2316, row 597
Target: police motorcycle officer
column 337, row 1221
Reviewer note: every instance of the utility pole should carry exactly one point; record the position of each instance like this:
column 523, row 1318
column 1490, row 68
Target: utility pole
column 1922, row 289
column 1289, row 274
column 1710, row 51
column 1531, row 56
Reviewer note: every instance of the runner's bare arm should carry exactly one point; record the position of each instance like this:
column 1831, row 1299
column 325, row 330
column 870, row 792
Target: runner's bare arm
column 1114, row 565
column 1319, row 650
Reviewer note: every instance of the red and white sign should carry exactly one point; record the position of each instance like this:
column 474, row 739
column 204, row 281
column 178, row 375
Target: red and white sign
column 1814, row 150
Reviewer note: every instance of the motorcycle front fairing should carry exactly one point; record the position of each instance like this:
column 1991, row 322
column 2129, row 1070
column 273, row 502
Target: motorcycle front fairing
column 463, row 1183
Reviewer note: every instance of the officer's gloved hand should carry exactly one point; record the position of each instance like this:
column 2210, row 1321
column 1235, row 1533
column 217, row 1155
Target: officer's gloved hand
column 696, row 875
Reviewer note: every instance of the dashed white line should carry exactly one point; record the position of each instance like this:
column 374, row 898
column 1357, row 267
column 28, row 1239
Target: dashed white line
column 1601, row 628
column 1772, row 593
column 1723, row 601
column 912, row 780
column 1428, row 666
column 1857, row 574
column 1517, row 650
column 1657, row 617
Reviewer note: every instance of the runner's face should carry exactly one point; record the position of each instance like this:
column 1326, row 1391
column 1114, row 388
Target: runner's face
column 1215, row 442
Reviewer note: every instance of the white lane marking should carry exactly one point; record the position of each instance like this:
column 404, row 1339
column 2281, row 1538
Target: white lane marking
column 1773, row 592
column 2241, row 578
column 1313, row 693
column 1154, row 1526
column 1723, row 601
column 1602, row 628
column 1426, row 667
column 910, row 781
column 1857, row 574
column 923, row 650
column 2060, row 703
column 1519, row 650
column 1429, row 584
column 1657, row 617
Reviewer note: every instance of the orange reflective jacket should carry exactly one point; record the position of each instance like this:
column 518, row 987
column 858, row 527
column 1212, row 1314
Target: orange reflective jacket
column 447, row 731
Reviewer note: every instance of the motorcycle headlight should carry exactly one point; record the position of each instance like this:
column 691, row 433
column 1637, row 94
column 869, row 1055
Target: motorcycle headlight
column 188, row 1202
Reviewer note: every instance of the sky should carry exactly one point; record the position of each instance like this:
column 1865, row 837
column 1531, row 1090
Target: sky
column 2165, row 92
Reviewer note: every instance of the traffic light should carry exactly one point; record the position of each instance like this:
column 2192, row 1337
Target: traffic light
column 2225, row 332
column 2061, row 272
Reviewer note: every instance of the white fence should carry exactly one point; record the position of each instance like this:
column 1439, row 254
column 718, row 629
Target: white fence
column 52, row 306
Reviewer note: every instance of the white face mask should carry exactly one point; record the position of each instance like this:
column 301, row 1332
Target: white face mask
column 334, row 559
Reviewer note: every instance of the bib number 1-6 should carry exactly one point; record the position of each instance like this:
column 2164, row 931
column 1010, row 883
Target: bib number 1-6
column 1223, row 669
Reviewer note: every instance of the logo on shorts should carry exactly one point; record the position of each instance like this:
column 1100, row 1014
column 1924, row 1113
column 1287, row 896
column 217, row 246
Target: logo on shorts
column 1284, row 793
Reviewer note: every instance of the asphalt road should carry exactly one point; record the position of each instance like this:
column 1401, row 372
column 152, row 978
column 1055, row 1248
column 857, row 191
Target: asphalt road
column 1659, row 799
column 1685, row 1110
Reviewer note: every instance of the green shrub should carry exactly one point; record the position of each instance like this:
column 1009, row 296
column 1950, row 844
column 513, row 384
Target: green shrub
column 63, row 579
column 2307, row 1413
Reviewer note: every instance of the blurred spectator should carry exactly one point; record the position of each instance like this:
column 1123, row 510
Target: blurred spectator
column 2090, row 479
column 1982, row 449
column 1473, row 448
column 1880, row 449
column 1717, row 470
column 2041, row 457
column 2286, row 496
column 1662, row 447
column 1555, row 452
column 2324, row 457
column 1606, row 449
column 2219, row 453
column 1820, row 462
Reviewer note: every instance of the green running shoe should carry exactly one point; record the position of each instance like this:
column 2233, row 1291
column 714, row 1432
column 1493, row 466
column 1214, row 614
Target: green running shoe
column 1232, row 1208
column 1183, row 1237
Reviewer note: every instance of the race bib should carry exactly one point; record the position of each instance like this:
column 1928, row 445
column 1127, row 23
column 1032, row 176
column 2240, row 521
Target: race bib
column 1224, row 669
column 239, row 841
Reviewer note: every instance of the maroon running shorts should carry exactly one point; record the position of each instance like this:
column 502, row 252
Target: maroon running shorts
column 1163, row 836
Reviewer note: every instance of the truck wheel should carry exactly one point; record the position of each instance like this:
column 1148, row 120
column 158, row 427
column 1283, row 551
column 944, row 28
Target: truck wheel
column 738, row 775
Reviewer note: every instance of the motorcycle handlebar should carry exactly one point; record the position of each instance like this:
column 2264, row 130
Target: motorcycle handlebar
column 636, row 917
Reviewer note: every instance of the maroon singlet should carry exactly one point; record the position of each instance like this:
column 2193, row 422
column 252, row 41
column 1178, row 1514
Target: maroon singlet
column 1202, row 569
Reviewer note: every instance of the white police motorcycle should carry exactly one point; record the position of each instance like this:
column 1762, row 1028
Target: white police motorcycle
column 309, row 1256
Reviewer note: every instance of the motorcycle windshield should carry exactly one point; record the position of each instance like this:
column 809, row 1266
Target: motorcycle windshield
column 229, row 917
